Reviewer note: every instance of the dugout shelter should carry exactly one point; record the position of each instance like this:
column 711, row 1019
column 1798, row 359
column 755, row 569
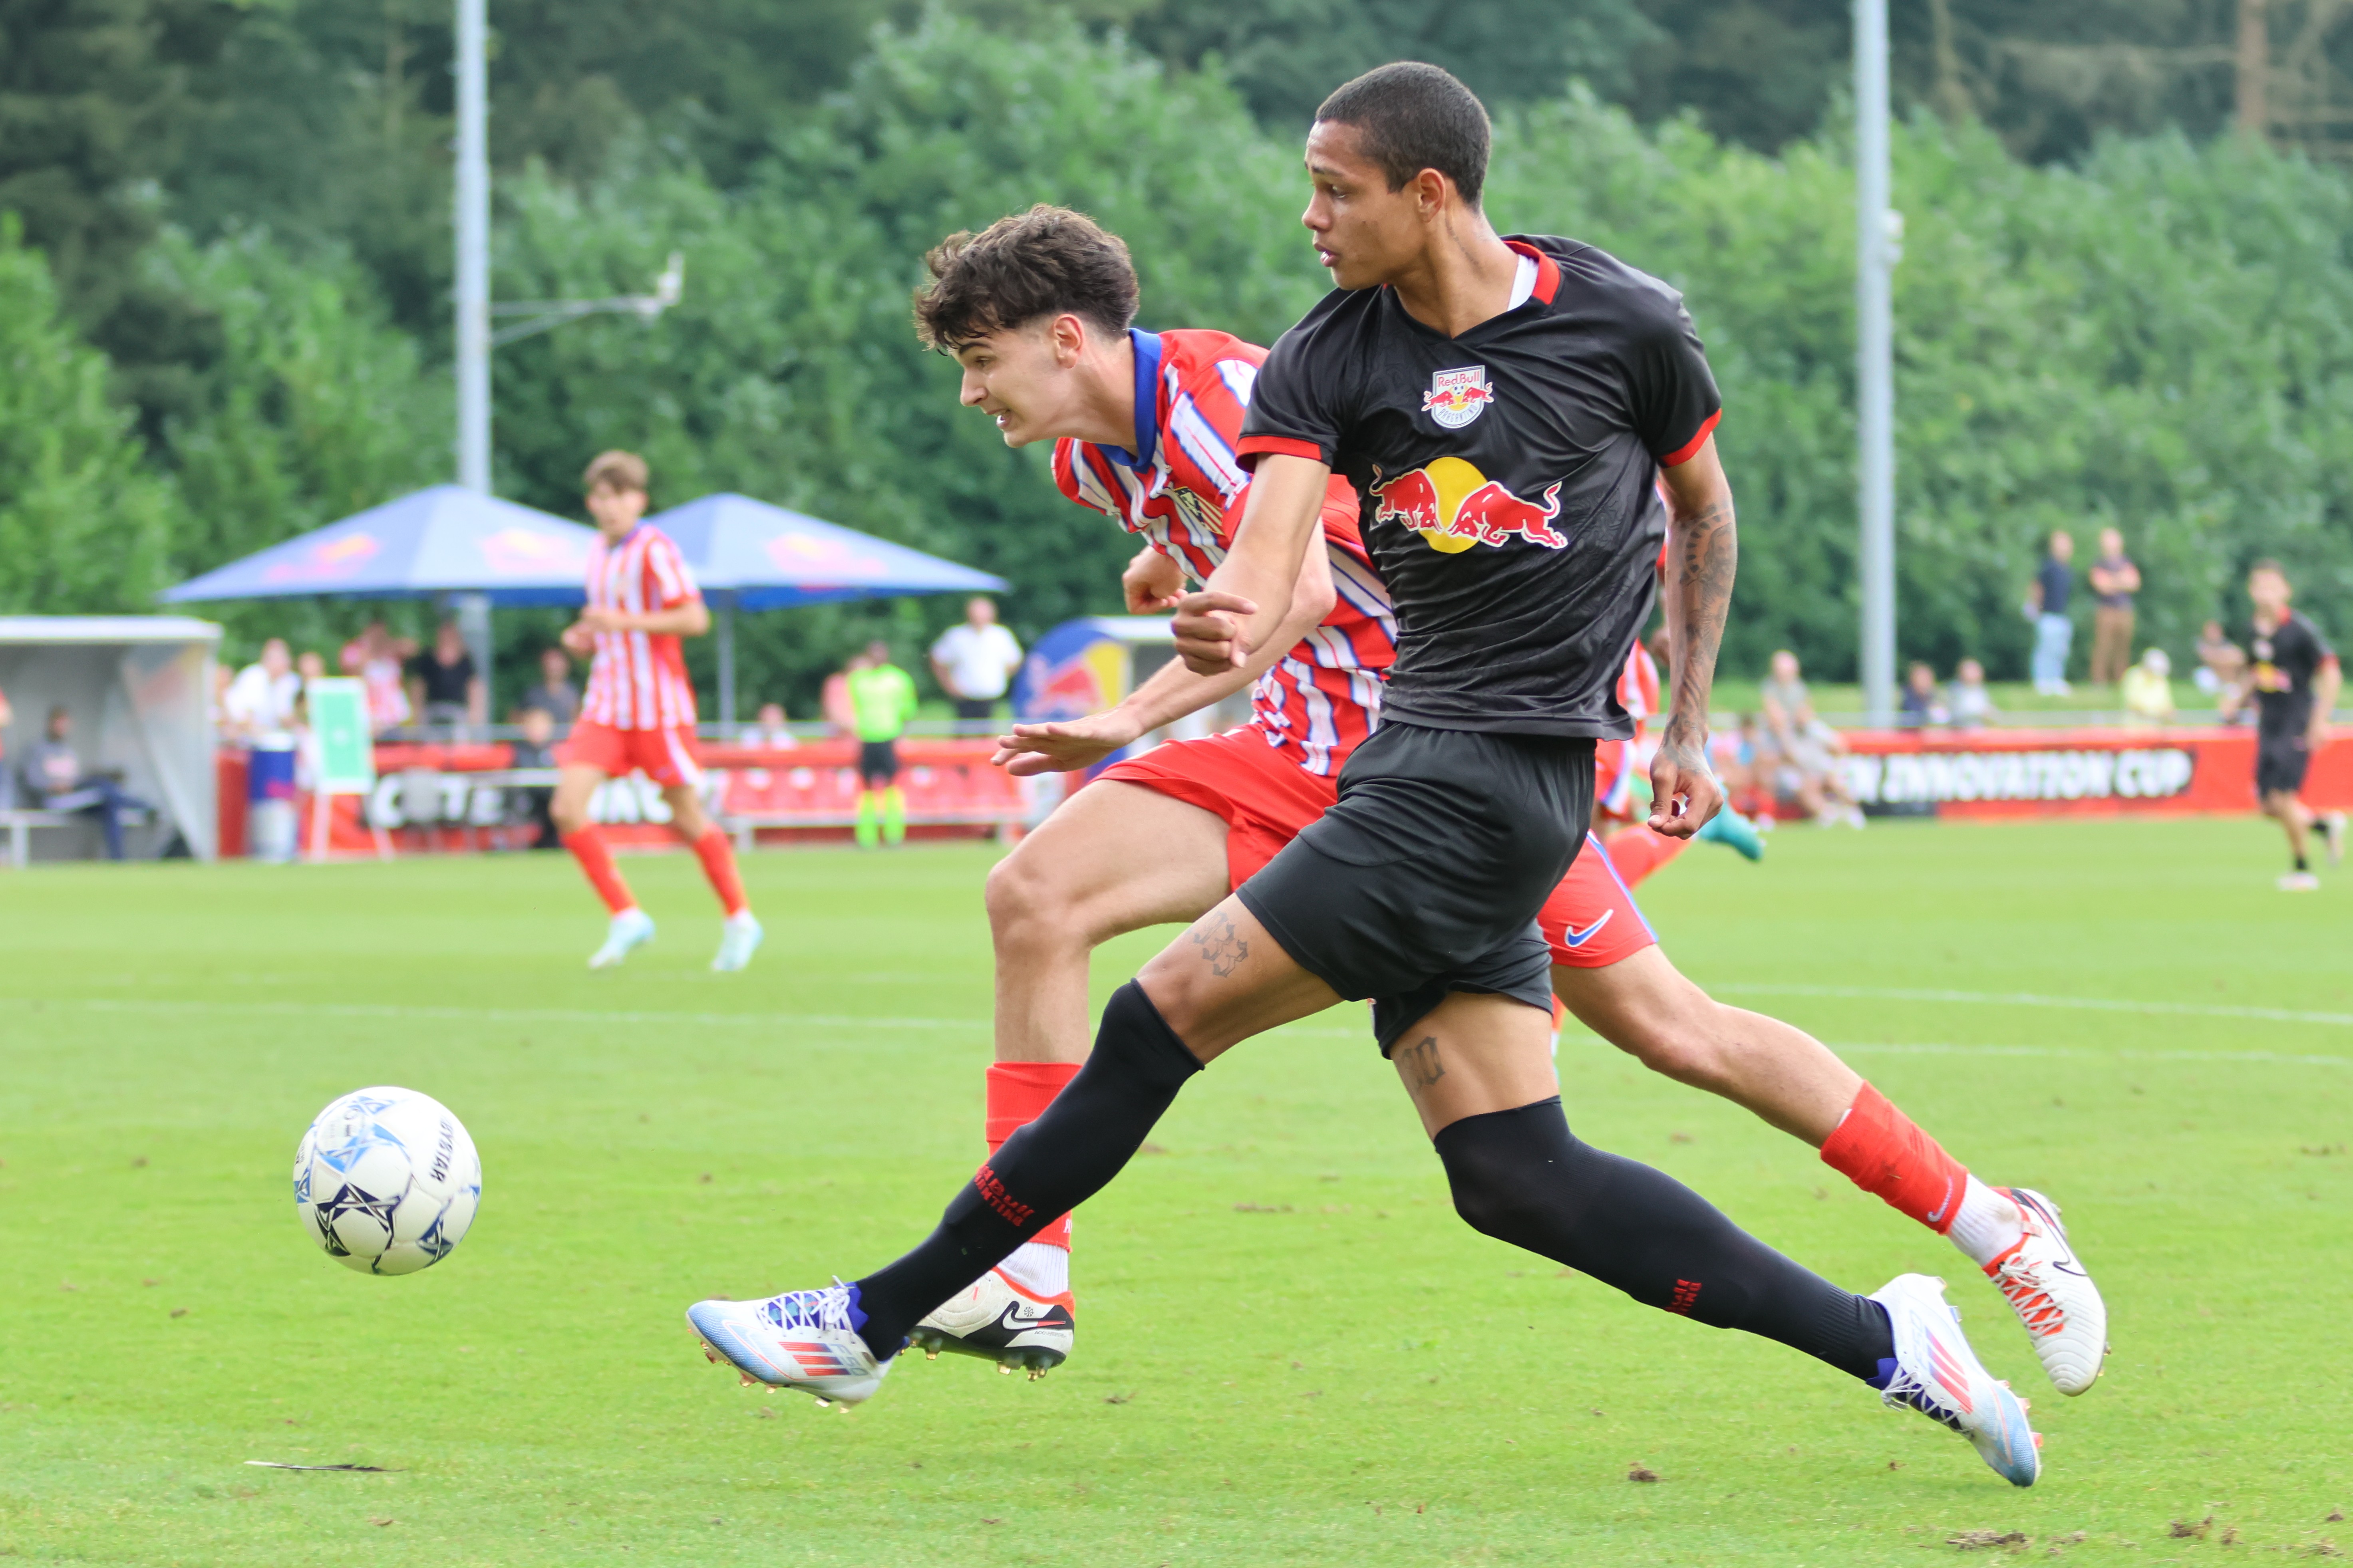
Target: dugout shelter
column 139, row 690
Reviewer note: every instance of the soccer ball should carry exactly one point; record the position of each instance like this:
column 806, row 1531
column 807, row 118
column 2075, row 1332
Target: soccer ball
column 386, row 1181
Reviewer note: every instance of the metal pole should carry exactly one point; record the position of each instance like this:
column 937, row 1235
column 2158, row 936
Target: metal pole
column 726, row 630
column 1876, row 252
column 473, row 228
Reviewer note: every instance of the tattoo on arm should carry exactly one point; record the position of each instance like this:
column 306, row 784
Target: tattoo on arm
column 1421, row 1062
column 1222, row 948
column 1706, row 551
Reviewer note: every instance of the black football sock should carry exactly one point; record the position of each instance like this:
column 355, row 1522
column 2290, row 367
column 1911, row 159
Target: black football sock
column 1522, row 1176
column 1044, row 1171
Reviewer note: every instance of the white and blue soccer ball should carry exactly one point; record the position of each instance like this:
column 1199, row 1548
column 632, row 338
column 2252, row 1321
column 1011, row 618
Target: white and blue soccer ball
column 388, row 1181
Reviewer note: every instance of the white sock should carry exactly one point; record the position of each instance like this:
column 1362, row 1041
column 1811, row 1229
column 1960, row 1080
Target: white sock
column 741, row 917
column 1988, row 1225
column 1041, row 1269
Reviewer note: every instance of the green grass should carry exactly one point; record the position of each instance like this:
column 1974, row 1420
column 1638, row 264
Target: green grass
column 1292, row 1353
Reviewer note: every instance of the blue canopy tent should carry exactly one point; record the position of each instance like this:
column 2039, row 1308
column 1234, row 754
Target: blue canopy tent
column 750, row 555
column 445, row 540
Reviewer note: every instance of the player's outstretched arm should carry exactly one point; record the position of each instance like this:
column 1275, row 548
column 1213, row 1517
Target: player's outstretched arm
column 1242, row 607
column 1703, row 548
column 1172, row 691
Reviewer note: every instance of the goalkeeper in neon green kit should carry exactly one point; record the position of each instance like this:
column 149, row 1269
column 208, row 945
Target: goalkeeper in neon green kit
column 881, row 700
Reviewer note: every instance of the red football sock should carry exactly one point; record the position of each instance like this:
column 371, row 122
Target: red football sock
column 587, row 846
column 718, row 858
column 1019, row 1093
column 1879, row 1150
column 1638, row 852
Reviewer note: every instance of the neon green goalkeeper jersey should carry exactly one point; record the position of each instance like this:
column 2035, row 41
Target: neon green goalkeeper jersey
column 882, row 700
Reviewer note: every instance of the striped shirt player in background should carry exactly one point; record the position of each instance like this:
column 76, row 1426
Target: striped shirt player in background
column 638, row 711
column 1037, row 310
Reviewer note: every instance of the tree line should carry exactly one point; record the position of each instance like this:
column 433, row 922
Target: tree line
column 2153, row 333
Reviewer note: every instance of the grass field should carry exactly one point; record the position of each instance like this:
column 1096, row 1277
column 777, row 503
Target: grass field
column 1292, row 1352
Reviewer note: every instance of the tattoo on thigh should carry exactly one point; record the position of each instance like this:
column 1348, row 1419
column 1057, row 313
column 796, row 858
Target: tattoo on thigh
column 1222, row 948
column 1422, row 1067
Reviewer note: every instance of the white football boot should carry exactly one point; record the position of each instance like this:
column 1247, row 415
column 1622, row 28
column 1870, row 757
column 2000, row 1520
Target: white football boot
column 2052, row 1295
column 1938, row 1374
column 739, row 938
column 997, row 1320
column 806, row 1340
column 631, row 930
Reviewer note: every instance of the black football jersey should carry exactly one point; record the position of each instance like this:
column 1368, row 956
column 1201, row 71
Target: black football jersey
column 1507, row 479
column 2284, row 660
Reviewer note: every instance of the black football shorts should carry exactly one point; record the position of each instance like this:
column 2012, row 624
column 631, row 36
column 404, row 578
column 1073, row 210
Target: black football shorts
column 2281, row 762
column 877, row 763
column 1427, row 874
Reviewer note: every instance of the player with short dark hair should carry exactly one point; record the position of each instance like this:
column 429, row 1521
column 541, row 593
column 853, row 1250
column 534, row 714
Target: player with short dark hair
column 1447, row 355
column 1146, row 427
column 2293, row 678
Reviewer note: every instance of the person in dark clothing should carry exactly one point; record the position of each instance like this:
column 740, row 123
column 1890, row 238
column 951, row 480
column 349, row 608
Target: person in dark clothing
column 59, row 782
column 2046, row 605
column 444, row 689
column 2292, row 677
column 535, row 749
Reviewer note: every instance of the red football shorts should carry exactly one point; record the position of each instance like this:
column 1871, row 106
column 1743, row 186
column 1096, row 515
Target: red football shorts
column 1263, row 797
column 665, row 756
column 1591, row 921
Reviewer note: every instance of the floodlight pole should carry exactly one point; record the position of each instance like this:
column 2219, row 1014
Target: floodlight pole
column 1878, row 236
column 473, row 231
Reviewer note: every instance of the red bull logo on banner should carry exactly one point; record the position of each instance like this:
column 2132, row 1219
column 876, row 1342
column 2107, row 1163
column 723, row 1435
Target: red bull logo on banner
column 1454, row 506
column 1456, row 397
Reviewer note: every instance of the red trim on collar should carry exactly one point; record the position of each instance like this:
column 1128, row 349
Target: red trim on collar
column 1690, row 450
column 1547, row 271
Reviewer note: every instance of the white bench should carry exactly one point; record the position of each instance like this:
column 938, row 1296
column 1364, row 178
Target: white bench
column 20, row 823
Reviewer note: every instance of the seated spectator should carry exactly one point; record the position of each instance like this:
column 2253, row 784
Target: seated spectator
column 1972, row 704
column 1733, row 756
column 555, row 694
column 375, row 657
column 444, row 686
column 55, row 777
column 2220, row 662
column 260, row 701
column 1803, row 750
column 1923, row 704
column 768, row 730
column 2148, row 694
column 536, row 749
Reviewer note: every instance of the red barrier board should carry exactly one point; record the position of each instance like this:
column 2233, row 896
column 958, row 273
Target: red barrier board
column 2083, row 772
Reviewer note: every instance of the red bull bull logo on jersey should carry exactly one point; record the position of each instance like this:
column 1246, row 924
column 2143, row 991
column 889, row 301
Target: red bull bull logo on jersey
column 1456, row 397
column 1453, row 506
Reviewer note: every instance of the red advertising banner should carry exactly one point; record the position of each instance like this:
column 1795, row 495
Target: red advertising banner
column 2088, row 772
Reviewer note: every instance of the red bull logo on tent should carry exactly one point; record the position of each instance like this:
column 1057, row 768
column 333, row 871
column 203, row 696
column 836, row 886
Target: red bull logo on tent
column 1453, row 506
column 326, row 560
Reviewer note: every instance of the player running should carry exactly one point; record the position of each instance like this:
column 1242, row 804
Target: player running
column 2293, row 678
column 639, row 712
column 1457, row 819
column 1037, row 310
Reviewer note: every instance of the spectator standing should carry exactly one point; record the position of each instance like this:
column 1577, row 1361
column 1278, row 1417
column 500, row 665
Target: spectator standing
column 881, row 700
column 61, row 783
column 1923, row 705
column 767, row 730
column 835, row 699
column 2046, row 604
column 1972, row 703
column 2221, row 665
column 261, row 702
column 375, row 657
column 2115, row 581
column 555, row 694
column 975, row 660
column 2293, row 678
column 445, row 687
column 535, row 749
column 7, row 777
column 2147, row 690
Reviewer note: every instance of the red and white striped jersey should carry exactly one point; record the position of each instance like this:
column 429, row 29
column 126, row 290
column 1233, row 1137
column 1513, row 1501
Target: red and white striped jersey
column 1183, row 489
column 639, row 680
column 1615, row 761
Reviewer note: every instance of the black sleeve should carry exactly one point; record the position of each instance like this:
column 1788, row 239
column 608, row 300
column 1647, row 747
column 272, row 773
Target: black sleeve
column 1292, row 410
column 1671, row 390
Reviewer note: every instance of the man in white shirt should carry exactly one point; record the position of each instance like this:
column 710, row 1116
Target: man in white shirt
column 260, row 701
column 974, row 661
